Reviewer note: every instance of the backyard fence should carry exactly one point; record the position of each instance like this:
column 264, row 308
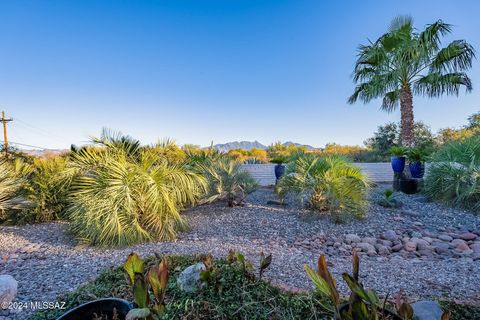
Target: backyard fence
column 376, row 172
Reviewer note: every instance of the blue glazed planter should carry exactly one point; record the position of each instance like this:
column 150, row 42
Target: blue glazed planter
column 398, row 164
column 417, row 169
column 279, row 171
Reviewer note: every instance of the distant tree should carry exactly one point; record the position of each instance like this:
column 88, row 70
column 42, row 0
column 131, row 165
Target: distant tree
column 384, row 138
column 451, row 134
column 474, row 121
column 389, row 135
column 404, row 62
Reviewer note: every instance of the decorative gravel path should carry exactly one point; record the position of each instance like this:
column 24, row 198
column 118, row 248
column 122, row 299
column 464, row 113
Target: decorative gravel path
column 426, row 248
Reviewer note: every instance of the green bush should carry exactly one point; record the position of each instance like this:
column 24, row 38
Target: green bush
column 238, row 297
column 227, row 180
column 46, row 189
column 10, row 184
column 454, row 174
column 328, row 184
column 125, row 194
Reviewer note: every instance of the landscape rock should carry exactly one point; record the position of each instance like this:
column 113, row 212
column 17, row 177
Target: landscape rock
column 427, row 310
column 445, row 237
column 468, row 236
column 475, row 247
column 365, row 247
column 390, row 235
column 349, row 238
column 410, row 246
column 463, row 247
column 440, row 247
column 8, row 289
column 189, row 279
column 397, row 247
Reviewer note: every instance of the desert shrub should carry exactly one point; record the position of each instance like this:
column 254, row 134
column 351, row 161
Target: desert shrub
column 453, row 176
column 227, row 180
column 10, row 184
column 327, row 184
column 125, row 194
column 46, row 189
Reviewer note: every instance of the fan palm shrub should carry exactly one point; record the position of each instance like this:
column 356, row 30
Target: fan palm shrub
column 227, row 180
column 453, row 175
column 327, row 184
column 46, row 189
column 125, row 194
column 10, row 184
column 405, row 62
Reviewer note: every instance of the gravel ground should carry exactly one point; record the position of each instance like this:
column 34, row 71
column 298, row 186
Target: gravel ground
column 46, row 262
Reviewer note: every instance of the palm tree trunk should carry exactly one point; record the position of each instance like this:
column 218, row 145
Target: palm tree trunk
column 406, row 109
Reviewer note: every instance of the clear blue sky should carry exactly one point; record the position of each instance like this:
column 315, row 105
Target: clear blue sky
column 198, row 71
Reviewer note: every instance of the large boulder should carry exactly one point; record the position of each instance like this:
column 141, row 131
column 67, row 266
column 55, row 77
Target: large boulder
column 427, row 310
column 8, row 289
column 189, row 279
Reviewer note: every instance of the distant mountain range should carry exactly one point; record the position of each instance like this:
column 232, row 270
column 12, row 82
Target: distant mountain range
column 249, row 145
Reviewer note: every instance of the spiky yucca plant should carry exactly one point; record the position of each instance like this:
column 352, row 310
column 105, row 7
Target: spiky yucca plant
column 227, row 180
column 453, row 175
column 328, row 184
column 126, row 194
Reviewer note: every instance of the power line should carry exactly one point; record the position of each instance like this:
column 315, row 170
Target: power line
column 29, row 145
column 35, row 129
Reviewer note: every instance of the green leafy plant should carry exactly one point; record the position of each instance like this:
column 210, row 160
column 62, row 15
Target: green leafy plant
column 227, row 181
column 145, row 284
column 404, row 62
column 46, row 188
column 388, row 199
column 398, row 151
column 329, row 184
column 453, row 174
column 362, row 304
column 279, row 160
column 416, row 155
column 124, row 194
column 10, row 184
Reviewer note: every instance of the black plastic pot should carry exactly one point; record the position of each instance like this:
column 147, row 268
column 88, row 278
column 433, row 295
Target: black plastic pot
column 393, row 316
column 101, row 306
column 408, row 186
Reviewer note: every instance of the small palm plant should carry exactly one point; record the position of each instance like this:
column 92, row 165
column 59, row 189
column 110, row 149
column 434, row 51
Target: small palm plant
column 125, row 194
column 10, row 184
column 227, row 180
column 329, row 184
column 404, row 62
column 46, row 189
column 454, row 174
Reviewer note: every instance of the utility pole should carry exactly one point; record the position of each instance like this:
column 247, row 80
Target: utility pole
column 5, row 139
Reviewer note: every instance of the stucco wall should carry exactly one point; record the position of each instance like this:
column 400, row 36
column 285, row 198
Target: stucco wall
column 265, row 174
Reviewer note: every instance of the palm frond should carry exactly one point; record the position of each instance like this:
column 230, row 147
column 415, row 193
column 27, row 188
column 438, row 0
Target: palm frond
column 457, row 56
column 435, row 84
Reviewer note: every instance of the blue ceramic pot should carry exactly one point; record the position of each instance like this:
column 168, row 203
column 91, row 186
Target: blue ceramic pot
column 417, row 169
column 279, row 170
column 398, row 164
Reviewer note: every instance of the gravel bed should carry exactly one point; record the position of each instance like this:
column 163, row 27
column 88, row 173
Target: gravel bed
column 46, row 262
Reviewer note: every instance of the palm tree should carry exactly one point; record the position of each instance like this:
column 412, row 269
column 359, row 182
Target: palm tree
column 125, row 193
column 404, row 62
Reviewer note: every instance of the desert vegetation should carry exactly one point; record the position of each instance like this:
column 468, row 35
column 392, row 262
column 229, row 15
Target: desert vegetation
column 327, row 184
